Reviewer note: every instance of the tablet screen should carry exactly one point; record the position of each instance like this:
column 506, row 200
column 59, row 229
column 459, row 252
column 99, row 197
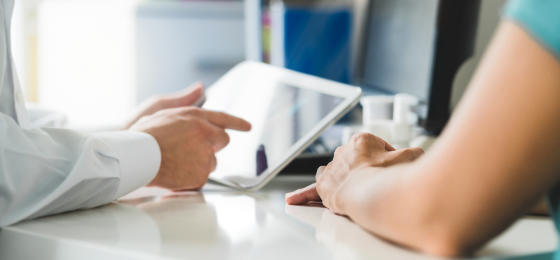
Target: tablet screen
column 280, row 115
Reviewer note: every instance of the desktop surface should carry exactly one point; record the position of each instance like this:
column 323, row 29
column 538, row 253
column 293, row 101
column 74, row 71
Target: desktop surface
column 219, row 223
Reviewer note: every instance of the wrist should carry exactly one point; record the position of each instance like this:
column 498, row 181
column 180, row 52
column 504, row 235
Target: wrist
column 343, row 195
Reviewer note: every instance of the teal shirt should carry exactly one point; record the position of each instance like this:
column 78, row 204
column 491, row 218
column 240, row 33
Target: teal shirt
column 541, row 19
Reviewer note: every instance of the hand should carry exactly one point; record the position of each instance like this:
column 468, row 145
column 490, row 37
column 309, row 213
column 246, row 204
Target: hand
column 188, row 138
column 363, row 150
column 185, row 98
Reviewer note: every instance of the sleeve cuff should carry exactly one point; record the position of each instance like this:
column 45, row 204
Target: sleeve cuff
column 139, row 158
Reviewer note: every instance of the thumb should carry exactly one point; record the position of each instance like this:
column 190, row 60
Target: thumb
column 303, row 196
column 404, row 155
column 187, row 97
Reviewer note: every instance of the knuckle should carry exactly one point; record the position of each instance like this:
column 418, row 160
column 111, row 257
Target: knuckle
column 204, row 127
column 338, row 151
column 322, row 184
column 226, row 138
column 379, row 140
column 319, row 172
column 192, row 111
column 408, row 154
column 201, row 126
column 213, row 163
column 363, row 138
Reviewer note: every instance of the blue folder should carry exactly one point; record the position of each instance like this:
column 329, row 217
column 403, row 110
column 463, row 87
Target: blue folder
column 318, row 41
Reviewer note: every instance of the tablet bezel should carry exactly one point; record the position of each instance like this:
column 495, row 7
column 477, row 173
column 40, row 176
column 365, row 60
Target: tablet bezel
column 350, row 94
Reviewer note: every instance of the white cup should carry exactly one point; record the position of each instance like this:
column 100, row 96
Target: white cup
column 376, row 108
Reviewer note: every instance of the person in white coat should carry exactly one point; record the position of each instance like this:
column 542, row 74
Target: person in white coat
column 169, row 143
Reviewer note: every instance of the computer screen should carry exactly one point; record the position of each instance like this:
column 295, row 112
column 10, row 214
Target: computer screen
column 417, row 47
column 400, row 46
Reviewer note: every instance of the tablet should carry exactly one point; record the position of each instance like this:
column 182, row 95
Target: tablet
column 287, row 110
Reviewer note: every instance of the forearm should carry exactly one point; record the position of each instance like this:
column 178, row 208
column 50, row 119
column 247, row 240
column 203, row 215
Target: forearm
column 394, row 204
column 495, row 159
column 405, row 205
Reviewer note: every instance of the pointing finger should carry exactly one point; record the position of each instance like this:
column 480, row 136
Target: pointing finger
column 227, row 121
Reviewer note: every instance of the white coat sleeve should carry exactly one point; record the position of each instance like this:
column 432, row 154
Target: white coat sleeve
column 49, row 171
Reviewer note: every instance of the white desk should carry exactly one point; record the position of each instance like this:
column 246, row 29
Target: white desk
column 223, row 224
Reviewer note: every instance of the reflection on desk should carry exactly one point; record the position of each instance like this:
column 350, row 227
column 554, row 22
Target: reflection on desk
column 346, row 240
column 223, row 224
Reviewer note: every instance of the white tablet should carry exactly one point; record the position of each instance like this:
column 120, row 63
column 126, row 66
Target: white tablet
column 287, row 110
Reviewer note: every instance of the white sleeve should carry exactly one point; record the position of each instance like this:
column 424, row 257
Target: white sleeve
column 48, row 171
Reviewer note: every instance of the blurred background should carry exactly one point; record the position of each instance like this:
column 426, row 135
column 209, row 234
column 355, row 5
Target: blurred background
column 94, row 60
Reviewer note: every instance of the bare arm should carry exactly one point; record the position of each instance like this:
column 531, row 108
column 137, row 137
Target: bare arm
column 499, row 154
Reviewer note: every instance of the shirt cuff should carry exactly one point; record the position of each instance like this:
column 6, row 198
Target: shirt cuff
column 139, row 158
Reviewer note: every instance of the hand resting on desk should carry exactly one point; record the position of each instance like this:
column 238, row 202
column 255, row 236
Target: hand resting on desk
column 363, row 150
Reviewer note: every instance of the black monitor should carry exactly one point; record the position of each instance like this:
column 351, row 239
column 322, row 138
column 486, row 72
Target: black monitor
column 417, row 47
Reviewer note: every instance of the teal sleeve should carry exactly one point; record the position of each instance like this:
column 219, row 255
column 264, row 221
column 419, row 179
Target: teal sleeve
column 540, row 18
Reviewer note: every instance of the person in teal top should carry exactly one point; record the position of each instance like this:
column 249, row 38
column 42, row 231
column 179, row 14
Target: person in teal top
column 498, row 156
column 541, row 19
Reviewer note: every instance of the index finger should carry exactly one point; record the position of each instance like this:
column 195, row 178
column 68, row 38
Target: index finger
column 227, row 121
